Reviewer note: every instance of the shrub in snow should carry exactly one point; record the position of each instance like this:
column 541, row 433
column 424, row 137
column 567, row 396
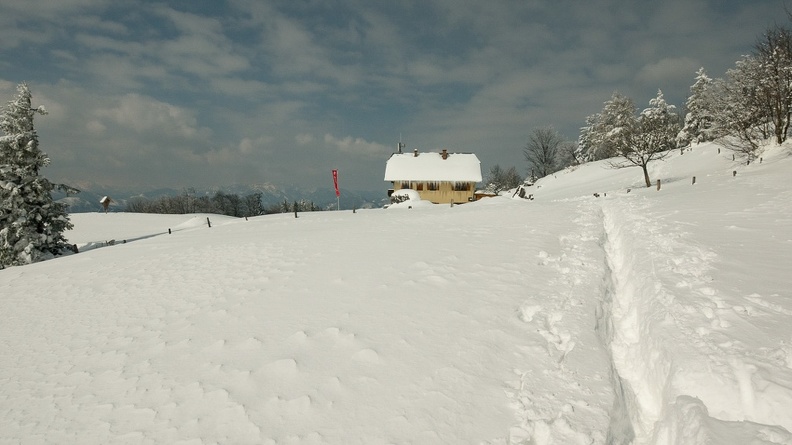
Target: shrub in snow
column 407, row 199
column 499, row 179
column 404, row 195
column 32, row 222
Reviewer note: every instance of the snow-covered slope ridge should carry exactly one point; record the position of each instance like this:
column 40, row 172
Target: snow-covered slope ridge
column 700, row 298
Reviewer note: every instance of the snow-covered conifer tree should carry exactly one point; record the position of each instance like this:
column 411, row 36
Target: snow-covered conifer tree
column 593, row 143
column 31, row 222
column 698, row 120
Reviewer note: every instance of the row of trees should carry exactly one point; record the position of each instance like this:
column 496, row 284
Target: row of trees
column 221, row 203
column 188, row 202
column 749, row 106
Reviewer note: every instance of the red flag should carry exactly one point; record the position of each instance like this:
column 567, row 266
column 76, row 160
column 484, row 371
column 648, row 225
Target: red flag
column 335, row 182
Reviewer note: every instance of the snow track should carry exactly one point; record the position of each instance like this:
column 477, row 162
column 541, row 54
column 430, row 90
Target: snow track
column 640, row 365
column 677, row 382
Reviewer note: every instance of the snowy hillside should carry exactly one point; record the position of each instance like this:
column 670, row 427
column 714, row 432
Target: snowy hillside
column 640, row 316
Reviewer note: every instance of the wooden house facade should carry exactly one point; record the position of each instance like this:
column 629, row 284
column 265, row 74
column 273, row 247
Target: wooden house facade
column 440, row 178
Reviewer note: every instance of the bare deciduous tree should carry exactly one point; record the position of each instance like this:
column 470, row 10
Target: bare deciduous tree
column 542, row 149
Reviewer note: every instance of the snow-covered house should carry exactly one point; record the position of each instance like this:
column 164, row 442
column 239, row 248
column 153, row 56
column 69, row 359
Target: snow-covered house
column 437, row 177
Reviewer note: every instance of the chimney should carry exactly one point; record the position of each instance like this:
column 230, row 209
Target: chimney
column 444, row 154
column 415, row 153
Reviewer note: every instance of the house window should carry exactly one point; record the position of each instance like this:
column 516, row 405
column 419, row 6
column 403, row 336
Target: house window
column 433, row 186
column 461, row 187
column 419, row 186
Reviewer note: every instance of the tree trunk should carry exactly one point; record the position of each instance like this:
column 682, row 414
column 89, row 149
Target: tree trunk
column 646, row 176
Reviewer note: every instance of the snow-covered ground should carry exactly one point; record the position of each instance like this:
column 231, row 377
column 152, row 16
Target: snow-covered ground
column 639, row 316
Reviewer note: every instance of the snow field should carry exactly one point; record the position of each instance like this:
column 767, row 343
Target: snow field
column 639, row 317
column 333, row 327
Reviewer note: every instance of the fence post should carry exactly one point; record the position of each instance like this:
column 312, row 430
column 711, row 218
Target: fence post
column 169, row 231
column 694, row 180
column 208, row 222
column 734, row 173
column 658, row 184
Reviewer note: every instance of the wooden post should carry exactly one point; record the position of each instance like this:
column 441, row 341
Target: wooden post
column 658, row 184
column 169, row 231
column 208, row 222
column 734, row 173
column 732, row 157
column 694, row 180
column 760, row 160
column 452, row 203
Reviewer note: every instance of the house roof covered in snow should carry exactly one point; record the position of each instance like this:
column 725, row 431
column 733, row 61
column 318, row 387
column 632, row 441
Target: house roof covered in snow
column 456, row 167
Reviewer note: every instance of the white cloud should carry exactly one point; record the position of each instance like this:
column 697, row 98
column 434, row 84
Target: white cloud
column 356, row 146
column 248, row 146
column 95, row 127
column 304, row 138
column 146, row 116
column 668, row 71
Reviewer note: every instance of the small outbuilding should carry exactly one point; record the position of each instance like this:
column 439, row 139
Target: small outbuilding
column 105, row 201
column 440, row 178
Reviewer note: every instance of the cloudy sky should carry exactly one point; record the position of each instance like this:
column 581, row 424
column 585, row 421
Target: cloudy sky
column 220, row 92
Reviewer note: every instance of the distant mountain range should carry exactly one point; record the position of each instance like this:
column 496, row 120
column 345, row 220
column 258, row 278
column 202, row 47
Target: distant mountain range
column 90, row 194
